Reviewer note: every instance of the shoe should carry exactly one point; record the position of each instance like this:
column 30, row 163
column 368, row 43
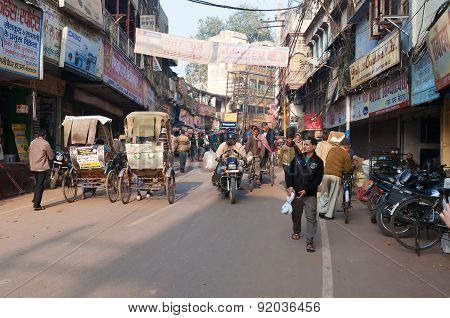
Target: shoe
column 148, row 195
column 310, row 248
column 138, row 198
column 39, row 208
column 321, row 215
column 182, row 171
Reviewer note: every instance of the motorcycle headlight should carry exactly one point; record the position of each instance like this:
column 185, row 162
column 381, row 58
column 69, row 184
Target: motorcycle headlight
column 232, row 166
column 59, row 157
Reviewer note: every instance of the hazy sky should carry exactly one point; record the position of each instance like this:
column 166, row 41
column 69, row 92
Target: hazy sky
column 183, row 16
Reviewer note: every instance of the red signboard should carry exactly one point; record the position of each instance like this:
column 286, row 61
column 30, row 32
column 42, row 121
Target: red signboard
column 313, row 122
column 119, row 73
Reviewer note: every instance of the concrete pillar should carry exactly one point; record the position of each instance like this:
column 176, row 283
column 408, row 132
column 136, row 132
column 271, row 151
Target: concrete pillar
column 348, row 115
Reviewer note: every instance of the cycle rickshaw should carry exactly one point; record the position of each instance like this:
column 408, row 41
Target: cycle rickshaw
column 94, row 163
column 149, row 156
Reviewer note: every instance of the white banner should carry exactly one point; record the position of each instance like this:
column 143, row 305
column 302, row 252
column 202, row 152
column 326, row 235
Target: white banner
column 207, row 52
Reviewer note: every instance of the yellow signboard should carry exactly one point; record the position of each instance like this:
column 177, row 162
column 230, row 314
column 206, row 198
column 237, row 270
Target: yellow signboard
column 383, row 56
column 230, row 117
column 438, row 42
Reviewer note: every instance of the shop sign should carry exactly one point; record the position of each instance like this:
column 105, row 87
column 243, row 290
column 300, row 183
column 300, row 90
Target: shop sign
column 438, row 43
column 335, row 115
column 21, row 39
column 313, row 122
column 383, row 99
column 229, row 124
column 79, row 52
column 423, row 88
column 123, row 76
column 360, row 107
column 383, row 56
column 90, row 11
column 21, row 140
column 148, row 22
column 22, row 109
column 230, row 117
column 207, row 52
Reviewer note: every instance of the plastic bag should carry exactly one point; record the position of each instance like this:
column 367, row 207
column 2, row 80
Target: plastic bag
column 287, row 207
column 209, row 162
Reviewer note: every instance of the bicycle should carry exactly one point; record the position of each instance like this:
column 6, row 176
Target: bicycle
column 347, row 180
column 419, row 216
column 252, row 173
column 272, row 161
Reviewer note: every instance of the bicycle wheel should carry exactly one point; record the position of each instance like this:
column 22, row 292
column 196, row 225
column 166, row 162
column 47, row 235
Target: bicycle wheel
column 417, row 217
column 112, row 186
column 124, row 188
column 70, row 186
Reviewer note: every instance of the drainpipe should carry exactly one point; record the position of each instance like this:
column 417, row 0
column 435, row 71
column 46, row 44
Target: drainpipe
column 348, row 116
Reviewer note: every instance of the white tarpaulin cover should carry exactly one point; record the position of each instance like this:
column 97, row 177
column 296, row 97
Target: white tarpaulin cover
column 145, row 156
column 207, row 52
column 101, row 119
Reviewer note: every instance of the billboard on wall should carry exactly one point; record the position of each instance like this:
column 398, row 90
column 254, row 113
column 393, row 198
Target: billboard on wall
column 423, row 88
column 90, row 11
column 383, row 56
column 123, row 76
column 393, row 95
column 438, row 42
column 79, row 52
column 313, row 121
column 207, row 52
column 20, row 39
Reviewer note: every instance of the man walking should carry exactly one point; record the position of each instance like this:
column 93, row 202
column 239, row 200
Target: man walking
column 305, row 176
column 324, row 147
column 40, row 154
column 258, row 146
column 338, row 161
column 286, row 155
column 182, row 145
column 269, row 134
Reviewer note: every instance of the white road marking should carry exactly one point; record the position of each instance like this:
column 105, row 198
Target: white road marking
column 327, row 270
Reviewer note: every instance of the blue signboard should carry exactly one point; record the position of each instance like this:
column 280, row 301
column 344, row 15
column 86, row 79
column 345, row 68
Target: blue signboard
column 79, row 52
column 423, row 88
column 229, row 124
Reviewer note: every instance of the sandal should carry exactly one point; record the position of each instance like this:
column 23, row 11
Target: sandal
column 296, row 236
column 310, row 248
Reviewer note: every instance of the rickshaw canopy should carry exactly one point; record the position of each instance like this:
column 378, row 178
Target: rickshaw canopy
column 83, row 129
column 145, row 124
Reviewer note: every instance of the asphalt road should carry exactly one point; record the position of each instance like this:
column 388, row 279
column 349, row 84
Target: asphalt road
column 201, row 246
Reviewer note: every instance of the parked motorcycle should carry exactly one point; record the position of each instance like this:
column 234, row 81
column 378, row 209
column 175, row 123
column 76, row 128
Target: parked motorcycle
column 60, row 165
column 407, row 185
column 228, row 175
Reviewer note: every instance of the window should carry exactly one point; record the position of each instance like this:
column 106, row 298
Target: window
column 430, row 130
column 261, row 85
column 380, row 10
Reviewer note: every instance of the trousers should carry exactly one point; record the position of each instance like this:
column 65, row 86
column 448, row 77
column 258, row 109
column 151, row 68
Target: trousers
column 39, row 176
column 309, row 204
column 330, row 194
column 183, row 157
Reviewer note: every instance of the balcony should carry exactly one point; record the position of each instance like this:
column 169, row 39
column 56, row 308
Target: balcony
column 120, row 39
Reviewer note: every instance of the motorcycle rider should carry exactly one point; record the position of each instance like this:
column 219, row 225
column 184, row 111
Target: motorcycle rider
column 229, row 148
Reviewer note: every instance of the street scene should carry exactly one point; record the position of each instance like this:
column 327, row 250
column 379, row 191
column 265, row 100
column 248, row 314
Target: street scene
column 248, row 149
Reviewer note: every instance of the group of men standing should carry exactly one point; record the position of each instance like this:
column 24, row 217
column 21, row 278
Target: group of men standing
column 308, row 167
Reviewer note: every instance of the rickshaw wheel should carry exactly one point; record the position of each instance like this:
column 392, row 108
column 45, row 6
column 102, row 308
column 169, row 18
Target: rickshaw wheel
column 69, row 187
column 124, row 188
column 112, row 186
column 170, row 188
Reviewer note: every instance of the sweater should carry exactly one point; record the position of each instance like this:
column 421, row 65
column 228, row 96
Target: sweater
column 338, row 161
column 40, row 153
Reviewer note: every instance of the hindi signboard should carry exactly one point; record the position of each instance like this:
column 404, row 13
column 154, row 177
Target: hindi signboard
column 383, row 56
column 438, row 42
column 423, row 88
column 21, row 39
column 79, row 52
column 207, row 52
column 88, row 157
column 120, row 74
column 90, row 11
column 148, row 22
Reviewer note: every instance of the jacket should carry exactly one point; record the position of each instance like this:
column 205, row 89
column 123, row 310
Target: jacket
column 182, row 143
column 270, row 136
column 223, row 148
column 338, row 161
column 305, row 175
column 286, row 155
column 322, row 150
column 40, row 154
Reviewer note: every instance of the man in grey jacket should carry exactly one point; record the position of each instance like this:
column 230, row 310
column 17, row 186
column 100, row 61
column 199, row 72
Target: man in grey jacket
column 40, row 154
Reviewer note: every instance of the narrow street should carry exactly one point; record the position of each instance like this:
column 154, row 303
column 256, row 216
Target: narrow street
column 202, row 246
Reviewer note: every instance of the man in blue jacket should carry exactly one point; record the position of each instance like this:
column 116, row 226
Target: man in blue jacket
column 305, row 176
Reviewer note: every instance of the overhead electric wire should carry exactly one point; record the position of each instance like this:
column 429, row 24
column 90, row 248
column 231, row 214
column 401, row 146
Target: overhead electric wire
column 206, row 3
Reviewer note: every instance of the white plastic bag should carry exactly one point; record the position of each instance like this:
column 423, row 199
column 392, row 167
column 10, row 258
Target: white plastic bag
column 209, row 162
column 287, row 207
